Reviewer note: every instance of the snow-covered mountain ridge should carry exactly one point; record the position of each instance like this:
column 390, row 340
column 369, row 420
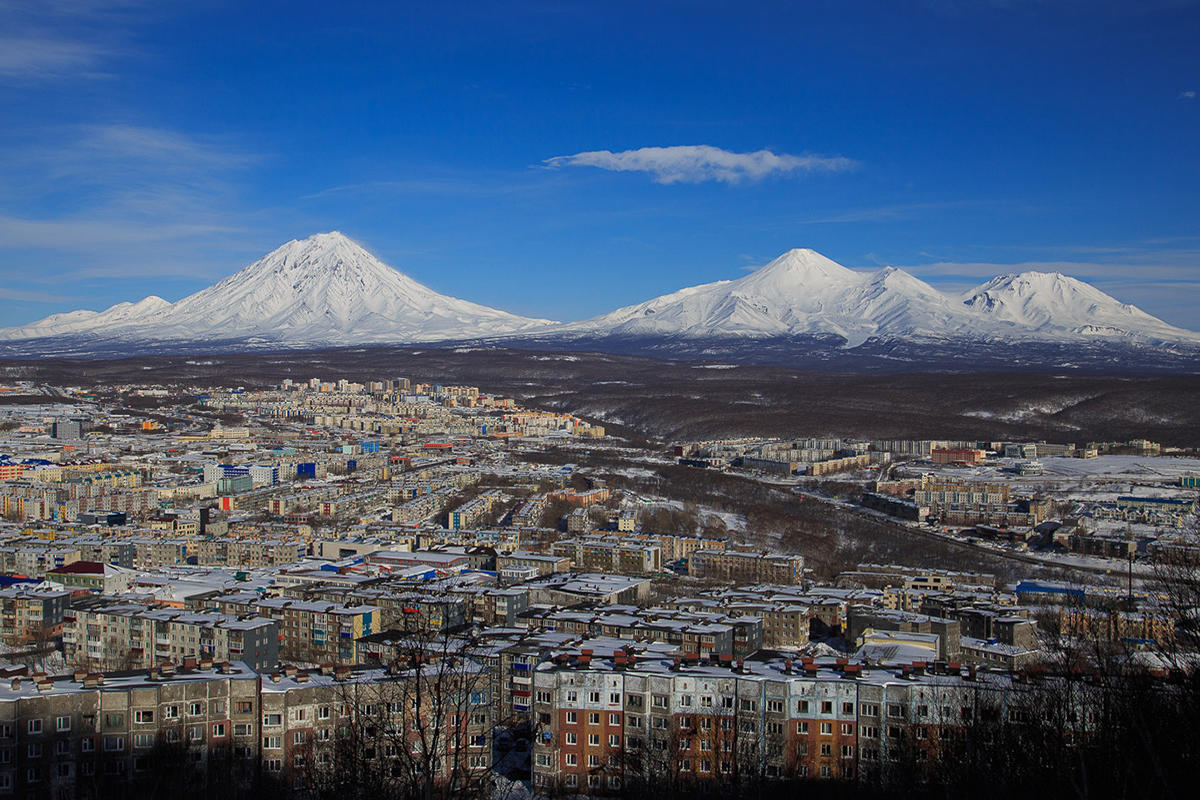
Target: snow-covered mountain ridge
column 323, row 290
column 802, row 293
column 327, row 290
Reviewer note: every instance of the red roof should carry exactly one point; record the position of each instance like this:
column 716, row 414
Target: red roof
column 81, row 568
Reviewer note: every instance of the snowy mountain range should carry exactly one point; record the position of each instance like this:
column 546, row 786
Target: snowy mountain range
column 802, row 293
column 328, row 291
column 323, row 291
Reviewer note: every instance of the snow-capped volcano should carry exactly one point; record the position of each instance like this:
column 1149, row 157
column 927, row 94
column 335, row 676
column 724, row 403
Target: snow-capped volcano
column 802, row 293
column 323, row 290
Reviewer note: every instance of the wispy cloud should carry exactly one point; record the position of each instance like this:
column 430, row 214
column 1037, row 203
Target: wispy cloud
column 53, row 39
column 40, row 56
column 702, row 162
column 1190, row 94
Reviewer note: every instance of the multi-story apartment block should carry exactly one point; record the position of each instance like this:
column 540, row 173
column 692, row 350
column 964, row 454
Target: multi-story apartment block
column 109, row 635
column 604, row 554
column 94, row 734
column 744, row 567
column 605, row 722
column 31, row 613
column 319, row 632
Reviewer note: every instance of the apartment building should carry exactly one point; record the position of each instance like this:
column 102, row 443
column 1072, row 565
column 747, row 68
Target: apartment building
column 102, row 730
column 605, row 554
column 103, row 635
column 603, row 722
column 743, row 567
column 521, row 565
column 319, row 632
column 31, row 612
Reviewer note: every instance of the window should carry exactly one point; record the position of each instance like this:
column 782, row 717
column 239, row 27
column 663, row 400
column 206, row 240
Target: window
column 570, row 738
column 5, row 731
column 895, row 710
column 272, row 720
column 170, row 712
column 62, row 724
column 868, row 732
column 195, row 709
column 633, row 722
column 847, row 729
column 635, row 700
column 826, row 706
column 34, row 750
column 593, row 718
column 247, row 706
column 593, row 739
column 273, row 764
column 323, row 712
column 143, row 740
column 218, row 729
column 570, row 759
column 826, row 771
column 114, row 744
column 685, row 700
column 271, row 743
column 143, row 717
column 34, row 726
column 847, row 708
column 775, row 728
column 775, row 706
column 614, row 740
column 572, row 696
column 659, row 701
column 243, row 729
column 706, row 701
column 826, row 728
column 593, row 697
column 802, row 706
column 62, row 747
column 749, row 705
column 614, row 698
column 726, row 702
column 922, row 711
column 541, row 696
column 87, row 745
column 869, row 709
column 114, row 720
column 826, row 750
column 614, row 719
column 685, row 723
column 572, row 718
column 195, row 733
column 298, row 737
column 706, row 723
column 572, row 780
column 593, row 761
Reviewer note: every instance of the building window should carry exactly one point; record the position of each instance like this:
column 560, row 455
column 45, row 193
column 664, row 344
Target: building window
column 593, row 718
column 62, row 724
column 170, row 712
column 195, row 709
column 34, row 726
column 802, row 706
column 218, row 729
column 571, row 718
column 143, row 717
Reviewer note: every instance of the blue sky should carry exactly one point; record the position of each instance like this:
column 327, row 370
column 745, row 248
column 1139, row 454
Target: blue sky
column 501, row 152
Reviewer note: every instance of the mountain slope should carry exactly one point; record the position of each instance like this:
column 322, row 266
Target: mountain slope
column 323, row 290
column 803, row 294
